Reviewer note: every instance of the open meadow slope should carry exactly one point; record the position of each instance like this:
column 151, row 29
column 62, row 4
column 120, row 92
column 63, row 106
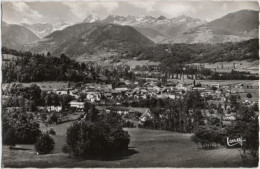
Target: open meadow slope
column 147, row 148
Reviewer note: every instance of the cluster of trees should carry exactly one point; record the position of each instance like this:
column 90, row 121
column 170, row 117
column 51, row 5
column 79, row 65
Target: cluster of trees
column 174, row 115
column 233, row 75
column 29, row 67
column 175, row 72
column 96, row 135
column 207, row 135
column 246, row 126
column 29, row 97
column 19, row 128
column 173, row 57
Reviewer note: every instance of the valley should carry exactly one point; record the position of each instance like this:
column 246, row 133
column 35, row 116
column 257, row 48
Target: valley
column 123, row 84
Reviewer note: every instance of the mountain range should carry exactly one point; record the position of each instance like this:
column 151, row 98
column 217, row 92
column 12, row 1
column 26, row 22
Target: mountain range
column 156, row 29
column 237, row 26
column 90, row 38
column 44, row 29
column 117, row 33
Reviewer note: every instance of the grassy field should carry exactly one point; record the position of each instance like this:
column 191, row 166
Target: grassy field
column 147, row 148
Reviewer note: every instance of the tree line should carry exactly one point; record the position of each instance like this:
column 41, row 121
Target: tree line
column 32, row 67
column 199, row 52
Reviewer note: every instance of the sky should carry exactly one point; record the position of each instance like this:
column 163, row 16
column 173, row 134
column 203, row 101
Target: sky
column 17, row 12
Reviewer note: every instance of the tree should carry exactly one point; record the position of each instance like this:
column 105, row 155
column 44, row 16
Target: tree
column 44, row 144
column 233, row 100
column 249, row 95
column 251, row 146
column 82, row 97
column 95, row 139
column 21, row 126
column 64, row 100
column 87, row 106
column 255, row 107
column 206, row 135
column 9, row 137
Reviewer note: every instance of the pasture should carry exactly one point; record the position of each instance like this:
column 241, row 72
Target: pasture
column 147, row 148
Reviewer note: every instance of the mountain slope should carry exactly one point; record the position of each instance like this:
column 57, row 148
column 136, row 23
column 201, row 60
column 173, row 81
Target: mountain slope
column 151, row 34
column 39, row 29
column 90, row 38
column 199, row 52
column 156, row 29
column 238, row 23
column 16, row 36
column 237, row 26
column 44, row 29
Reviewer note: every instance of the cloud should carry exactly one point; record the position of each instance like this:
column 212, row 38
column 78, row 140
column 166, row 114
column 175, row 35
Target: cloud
column 82, row 9
column 174, row 9
column 24, row 13
column 145, row 4
column 224, row 6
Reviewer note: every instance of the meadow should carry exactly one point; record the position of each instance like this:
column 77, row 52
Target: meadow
column 147, row 148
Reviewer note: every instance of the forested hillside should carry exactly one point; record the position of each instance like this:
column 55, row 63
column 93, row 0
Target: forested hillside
column 174, row 53
column 29, row 67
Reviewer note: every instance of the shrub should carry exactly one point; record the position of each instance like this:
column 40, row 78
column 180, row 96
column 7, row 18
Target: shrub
column 51, row 132
column 53, row 118
column 255, row 107
column 9, row 137
column 44, row 144
column 119, row 140
column 128, row 124
column 27, row 133
column 86, row 140
column 211, row 111
column 19, row 127
column 249, row 95
column 65, row 149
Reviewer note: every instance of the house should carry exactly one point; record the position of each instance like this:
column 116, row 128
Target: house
column 121, row 89
column 93, row 96
column 55, row 108
column 198, row 88
column 145, row 116
column 215, row 85
column 229, row 117
column 118, row 109
column 61, row 92
column 142, row 111
column 180, row 87
column 78, row 105
column 171, row 96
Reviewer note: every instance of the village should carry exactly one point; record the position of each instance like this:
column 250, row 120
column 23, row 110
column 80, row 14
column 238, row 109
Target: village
column 122, row 84
column 124, row 98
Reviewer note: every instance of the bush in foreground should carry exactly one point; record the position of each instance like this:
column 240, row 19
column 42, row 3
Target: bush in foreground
column 9, row 137
column 44, row 144
column 87, row 139
column 19, row 128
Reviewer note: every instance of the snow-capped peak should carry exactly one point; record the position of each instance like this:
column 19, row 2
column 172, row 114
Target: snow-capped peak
column 91, row 18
